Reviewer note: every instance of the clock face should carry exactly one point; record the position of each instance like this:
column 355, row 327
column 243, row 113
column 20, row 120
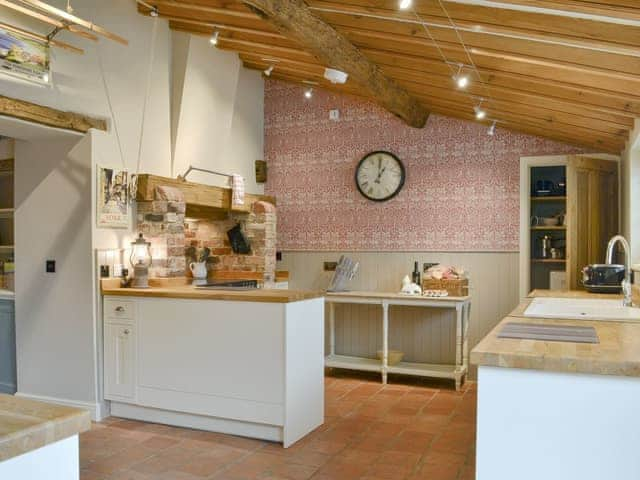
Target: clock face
column 380, row 176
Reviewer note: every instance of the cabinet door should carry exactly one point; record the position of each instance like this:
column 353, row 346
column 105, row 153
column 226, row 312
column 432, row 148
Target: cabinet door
column 592, row 213
column 119, row 361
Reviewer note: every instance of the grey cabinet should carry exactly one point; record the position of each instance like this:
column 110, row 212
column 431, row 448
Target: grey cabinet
column 7, row 347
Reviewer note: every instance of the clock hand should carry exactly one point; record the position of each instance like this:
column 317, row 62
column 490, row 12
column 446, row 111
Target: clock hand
column 380, row 174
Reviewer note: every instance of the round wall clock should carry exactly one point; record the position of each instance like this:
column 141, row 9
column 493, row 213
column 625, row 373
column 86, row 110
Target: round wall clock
column 380, row 176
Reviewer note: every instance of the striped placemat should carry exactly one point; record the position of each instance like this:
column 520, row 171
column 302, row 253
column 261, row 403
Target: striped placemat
column 549, row 333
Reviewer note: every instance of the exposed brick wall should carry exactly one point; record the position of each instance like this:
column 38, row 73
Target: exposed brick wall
column 260, row 228
column 163, row 223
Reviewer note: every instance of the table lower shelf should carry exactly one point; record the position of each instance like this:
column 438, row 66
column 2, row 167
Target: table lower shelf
column 403, row 368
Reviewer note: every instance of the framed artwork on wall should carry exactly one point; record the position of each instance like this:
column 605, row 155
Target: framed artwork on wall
column 113, row 209
column 24, row 56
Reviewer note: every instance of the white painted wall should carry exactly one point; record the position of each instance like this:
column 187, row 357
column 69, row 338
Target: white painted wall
column 59, row 334
column 54, row 311
column 219, row 113
column 631, row 192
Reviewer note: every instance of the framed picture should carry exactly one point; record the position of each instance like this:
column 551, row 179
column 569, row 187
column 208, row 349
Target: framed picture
column 24, row 56
column 113, row 206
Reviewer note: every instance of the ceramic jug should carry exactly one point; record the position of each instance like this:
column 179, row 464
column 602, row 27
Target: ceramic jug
column 199, row 271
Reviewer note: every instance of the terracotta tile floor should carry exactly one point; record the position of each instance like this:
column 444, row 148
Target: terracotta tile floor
column 400, row 431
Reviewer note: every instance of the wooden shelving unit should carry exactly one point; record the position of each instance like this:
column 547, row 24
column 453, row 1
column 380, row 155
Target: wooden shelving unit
column 555, row 227
column 590, row 206
column 549, row 199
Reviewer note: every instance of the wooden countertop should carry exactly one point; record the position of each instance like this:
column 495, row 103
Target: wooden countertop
column 618, row 352
column 27, row 425
column 182, row 289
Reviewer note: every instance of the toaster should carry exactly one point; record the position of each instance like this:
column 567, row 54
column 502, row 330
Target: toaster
column 603, row 278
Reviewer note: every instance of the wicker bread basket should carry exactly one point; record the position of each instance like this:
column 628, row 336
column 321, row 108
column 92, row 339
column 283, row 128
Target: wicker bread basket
column 455, row 288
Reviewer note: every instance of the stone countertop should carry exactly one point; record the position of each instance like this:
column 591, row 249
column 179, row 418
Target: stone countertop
column 180, row 289
column 27, row 425
column 618, row 352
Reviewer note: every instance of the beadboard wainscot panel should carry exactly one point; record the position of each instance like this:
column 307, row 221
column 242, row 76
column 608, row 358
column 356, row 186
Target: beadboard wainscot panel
column 425, row 335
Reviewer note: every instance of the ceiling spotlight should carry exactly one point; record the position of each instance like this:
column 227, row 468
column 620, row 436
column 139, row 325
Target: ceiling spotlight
column 492, row 129
column 404, row 4
column 462, row 81
column 480, row 113
column 308, row 93
column 214, row 38
column 154, row 12
column 268, row 71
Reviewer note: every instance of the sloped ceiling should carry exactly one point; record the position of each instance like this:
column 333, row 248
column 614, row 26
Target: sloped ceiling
column 567, row 70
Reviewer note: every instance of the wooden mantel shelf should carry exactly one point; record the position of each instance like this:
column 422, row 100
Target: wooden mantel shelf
column 201, row 200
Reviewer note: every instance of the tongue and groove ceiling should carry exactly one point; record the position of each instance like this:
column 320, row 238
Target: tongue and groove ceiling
column 567, row 70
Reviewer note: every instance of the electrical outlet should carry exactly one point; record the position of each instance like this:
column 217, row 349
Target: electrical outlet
column 330, row 266
column 50, row 266
column 334, row 115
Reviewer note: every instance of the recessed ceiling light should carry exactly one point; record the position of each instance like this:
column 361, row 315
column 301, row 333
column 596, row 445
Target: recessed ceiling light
column 308, row 93
column 404, row 4
column 154, row 12
column 214, row 38
column 480, row 113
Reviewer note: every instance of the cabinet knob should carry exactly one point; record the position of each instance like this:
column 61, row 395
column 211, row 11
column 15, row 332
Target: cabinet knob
column 126, row 332
column 120, row 309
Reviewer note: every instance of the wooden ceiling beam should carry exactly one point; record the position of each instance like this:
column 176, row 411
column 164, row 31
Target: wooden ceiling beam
column 293, row 19
column 31, row 112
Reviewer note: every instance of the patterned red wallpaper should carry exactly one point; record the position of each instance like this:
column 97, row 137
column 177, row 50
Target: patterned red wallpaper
column 461, row 191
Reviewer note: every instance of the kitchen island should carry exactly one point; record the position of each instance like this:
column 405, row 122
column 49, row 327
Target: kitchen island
column 559, row 409
column 247, row 363
column 39, row 440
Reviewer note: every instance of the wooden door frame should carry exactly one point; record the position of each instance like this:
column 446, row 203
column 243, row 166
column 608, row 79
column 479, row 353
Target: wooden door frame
column 525, row 205
column 526, row 163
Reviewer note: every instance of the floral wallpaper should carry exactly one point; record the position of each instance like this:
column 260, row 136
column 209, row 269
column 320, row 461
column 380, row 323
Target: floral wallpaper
column 461, row 191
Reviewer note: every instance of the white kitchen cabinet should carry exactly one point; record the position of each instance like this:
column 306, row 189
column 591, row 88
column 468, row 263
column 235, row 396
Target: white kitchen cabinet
column 246, row 368
column 119, row 361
